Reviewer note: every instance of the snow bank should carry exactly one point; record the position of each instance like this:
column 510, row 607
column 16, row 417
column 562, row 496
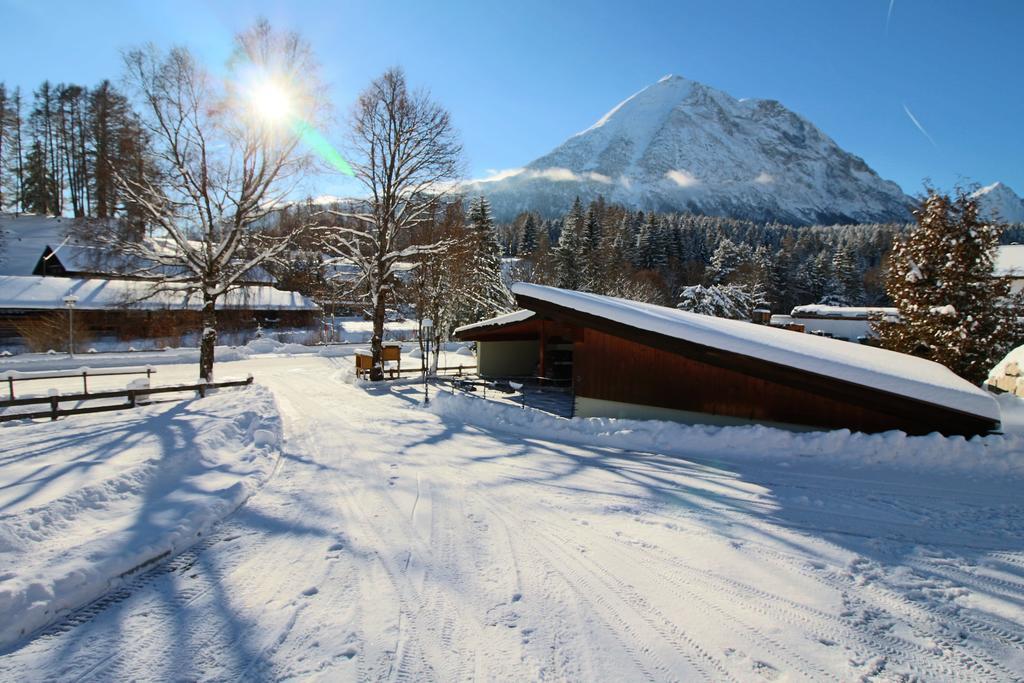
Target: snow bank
column 990, row 456
column 157, row 479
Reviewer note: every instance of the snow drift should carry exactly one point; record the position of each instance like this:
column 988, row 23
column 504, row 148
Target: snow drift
column 990, row 456
column 93, row 499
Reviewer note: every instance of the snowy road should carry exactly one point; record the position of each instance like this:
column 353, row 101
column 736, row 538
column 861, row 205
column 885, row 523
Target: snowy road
column 395, row 544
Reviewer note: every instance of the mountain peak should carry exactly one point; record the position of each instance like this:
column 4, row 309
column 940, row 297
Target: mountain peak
column 999, row 202
column 680, row 145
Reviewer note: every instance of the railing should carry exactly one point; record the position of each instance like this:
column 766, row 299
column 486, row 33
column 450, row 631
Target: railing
column 133, row 395
column 457, row 369
column 13, row 376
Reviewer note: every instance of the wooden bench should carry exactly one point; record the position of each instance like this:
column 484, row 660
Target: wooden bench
column 391, row 352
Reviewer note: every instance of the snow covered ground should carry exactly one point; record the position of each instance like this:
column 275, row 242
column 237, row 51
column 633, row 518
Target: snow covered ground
column 88, row 500
column 396, row 543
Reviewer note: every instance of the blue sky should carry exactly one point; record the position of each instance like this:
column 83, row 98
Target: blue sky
column 521, row 77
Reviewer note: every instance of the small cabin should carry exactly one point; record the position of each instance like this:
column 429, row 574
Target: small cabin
column 634, row 360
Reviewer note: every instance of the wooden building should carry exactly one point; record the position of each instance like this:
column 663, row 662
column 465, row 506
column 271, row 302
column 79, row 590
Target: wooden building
column 634, row 360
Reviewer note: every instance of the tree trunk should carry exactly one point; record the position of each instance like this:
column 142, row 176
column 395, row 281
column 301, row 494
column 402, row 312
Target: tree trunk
column 377, row 342
column 209, row 338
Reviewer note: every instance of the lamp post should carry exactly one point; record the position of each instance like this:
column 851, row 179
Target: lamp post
column 69, row 301
column 428, row 331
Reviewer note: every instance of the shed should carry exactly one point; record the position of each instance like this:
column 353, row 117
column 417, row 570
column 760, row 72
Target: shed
column 629, row 359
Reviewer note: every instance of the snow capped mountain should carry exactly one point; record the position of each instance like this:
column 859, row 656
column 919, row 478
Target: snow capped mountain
column 998, row 202
column 679, row 145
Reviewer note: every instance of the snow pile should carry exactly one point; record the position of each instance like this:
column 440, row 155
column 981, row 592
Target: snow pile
column 888, row 371
column 990, row 456
column 110, row 494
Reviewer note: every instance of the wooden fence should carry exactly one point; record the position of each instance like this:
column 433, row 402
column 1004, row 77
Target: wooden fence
column 85, row 373
column 133, row 396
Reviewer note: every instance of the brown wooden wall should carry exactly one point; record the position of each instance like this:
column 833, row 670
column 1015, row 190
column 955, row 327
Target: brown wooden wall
column 616, row 369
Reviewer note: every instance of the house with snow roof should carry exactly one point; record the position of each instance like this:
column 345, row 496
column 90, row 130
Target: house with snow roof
column 628, row 359
column 43, row 263
column 1010, row 265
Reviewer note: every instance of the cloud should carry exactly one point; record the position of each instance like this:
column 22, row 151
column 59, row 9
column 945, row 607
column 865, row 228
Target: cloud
column 494, row 175
column 553, row 173
column 682, row 178
column 764, row 178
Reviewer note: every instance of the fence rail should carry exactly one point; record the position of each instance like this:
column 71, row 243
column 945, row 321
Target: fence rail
column 133, row 395
column 14, row 376
column 458, row 369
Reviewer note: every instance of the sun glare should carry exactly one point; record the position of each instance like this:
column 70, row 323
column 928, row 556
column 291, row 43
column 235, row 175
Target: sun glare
column 270, row 102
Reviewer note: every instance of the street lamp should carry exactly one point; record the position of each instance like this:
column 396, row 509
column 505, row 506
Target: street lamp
column 69, row 301
column 428, row 330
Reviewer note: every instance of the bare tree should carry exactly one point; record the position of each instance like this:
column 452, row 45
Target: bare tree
column 406, row 156
column 224, row 157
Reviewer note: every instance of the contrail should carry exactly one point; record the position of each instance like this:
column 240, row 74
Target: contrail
column 888, row 17
column 918, row 124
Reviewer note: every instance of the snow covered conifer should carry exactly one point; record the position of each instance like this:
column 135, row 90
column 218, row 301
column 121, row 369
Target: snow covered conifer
column 724, row 262
column 569, row 244
column 952, row 309
column 490, row 294
column 528, row 240
column 721, row 301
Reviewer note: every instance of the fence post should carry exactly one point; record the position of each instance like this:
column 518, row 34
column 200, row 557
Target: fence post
column 131, row 398
column 53, row 408
column 202, row 390
column 85, row 382
column 10, row 385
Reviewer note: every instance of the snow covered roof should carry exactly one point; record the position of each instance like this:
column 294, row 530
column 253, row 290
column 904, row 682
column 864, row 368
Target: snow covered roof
column 45, row 293
column 874, row 368
column 1010, row 261
column 821, row 311
column 24, row 239
column 504, row 319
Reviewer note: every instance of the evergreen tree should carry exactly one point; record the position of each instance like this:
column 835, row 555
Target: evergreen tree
column 843, row 286
column 528, row 240
column 569, row 243
column 724, row 262
column 40, row 191
column 721, row 301
column 952, row 310
column 490, row 294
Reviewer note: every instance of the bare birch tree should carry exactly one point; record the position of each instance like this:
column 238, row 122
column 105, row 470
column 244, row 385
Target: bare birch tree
column 406, row 156
column 224, row 157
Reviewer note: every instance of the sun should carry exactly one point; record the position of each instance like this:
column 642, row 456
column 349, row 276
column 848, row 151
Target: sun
column 270, row 101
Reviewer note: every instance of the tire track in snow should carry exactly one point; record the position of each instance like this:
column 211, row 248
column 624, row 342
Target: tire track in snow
column 967, row 657
column 704, row 665
column 824, row 626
